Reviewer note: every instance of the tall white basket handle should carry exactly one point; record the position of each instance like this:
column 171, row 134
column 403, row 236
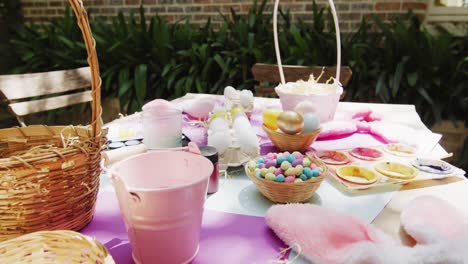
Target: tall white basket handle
column 338, row 41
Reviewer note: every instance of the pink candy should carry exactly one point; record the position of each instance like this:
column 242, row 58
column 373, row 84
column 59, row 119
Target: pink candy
column 270, row 163
column 296, row 162
column 313, row 166
column 261, row 165
column 270, row 156
column 279, row 171
column 290, row 179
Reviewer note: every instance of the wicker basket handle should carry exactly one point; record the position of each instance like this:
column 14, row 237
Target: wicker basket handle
column 83, row 23
column 338, row 41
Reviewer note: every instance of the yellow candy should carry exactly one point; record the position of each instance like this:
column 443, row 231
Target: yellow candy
column 299, row 170
column 269, row 118
column 264, row 171
column 272, row 169
column 290, row 172
column 219, row 114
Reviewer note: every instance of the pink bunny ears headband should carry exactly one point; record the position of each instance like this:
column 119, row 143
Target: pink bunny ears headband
column 326, row 236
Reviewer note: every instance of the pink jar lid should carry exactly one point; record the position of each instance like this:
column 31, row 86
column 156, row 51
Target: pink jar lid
column 160, row 105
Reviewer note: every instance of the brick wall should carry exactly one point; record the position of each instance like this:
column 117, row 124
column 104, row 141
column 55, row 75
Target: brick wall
column 350, row 12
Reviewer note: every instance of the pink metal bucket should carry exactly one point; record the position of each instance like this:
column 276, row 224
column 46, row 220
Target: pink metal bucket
column 161, row 196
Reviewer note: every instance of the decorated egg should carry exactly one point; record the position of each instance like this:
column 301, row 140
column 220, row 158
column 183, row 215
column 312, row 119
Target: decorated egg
column 305, row 107
column 200, row 108
column 269, row 118
column 246, row 99
column 220, row 141
column 290, row 122
column 219, row 124
column 311, row 123
column 230, row 92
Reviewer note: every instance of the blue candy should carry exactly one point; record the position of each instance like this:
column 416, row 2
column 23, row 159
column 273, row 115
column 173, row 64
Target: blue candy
column 280, row 160
column 308, row 172
column 315, row 172
column 258, row 174
column 279, row 178
column 290, row 158
column 260, row 160
column 304, row 177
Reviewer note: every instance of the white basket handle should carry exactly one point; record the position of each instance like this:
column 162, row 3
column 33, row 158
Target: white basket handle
column 338, row 41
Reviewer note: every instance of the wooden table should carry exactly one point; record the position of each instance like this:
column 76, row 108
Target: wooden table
column 453, row 189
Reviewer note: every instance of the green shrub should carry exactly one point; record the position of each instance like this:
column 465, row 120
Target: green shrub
column 146, row 58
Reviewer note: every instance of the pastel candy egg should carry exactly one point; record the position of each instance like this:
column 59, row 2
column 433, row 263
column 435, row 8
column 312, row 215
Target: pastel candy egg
column 270, row 155
column 297, row 162
column 290, row 158
column 260, row 160
column 289, row 179
column 298, row 180
column 271, row 170
column 298, row 155
column 270, row 177
column 285, row 165
column 280, row 160
column 290, row 172
column 261, row 165
column 280, row 178
column 305, row 107
column 311, row 123
column 306, row 162
column 258, row 174
column 313, row 166
column 320, row 169
column 315, row 173
column 299, row 170
column 279, row 171
column 270, row 163
column 303, row 177
column 252, row 165
column 285, row 154
column 308, row 172
column 264, row 171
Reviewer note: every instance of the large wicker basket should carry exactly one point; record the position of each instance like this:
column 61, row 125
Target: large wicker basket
column 54, row 247
column 49, row 175
column 289, row 192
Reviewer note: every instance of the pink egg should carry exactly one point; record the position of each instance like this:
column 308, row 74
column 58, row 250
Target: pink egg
column 285, row 154
column 261, row 165
column 270, row 156
column 290, row 179
column 270, row 163
column 313, row 166
column 297, row 162
column 279, row 171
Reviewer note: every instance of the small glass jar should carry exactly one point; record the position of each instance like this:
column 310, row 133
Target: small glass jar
column 212, row 154
column 162, row 128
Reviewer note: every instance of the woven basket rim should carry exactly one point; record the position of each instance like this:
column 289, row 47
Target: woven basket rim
column 276, row 133
column 308, row 182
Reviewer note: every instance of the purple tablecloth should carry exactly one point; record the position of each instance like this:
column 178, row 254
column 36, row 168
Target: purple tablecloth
column 225, row 238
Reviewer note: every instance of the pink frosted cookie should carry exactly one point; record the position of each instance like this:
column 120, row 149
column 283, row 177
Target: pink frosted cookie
column 368, row 154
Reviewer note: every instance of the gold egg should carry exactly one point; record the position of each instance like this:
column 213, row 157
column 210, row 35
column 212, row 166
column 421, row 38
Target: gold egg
column 290, row 122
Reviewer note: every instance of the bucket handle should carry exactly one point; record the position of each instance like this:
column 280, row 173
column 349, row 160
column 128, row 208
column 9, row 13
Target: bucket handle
column 277, row 48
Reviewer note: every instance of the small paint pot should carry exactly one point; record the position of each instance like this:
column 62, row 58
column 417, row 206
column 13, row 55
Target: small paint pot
column 396, row 170
column 433, row 166
column 367, row 154
column 330, row 157
column 402, row 150
column 357, row 175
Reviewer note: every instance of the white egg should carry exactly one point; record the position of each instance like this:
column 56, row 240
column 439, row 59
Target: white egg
column 246, row 99
column 200, row 108
column 219, row 124
column 311, row 122
column 220, row 140
column 230, row 92
column 305, row 107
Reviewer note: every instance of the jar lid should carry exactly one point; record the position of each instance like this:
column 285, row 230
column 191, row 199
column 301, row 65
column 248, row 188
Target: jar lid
column 210, row 153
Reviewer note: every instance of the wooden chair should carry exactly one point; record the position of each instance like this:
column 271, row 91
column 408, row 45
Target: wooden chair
column 267, row 76
column 39, row 92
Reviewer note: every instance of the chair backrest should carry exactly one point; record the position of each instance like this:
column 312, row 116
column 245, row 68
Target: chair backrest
column 267, row 76
column 39, row 92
